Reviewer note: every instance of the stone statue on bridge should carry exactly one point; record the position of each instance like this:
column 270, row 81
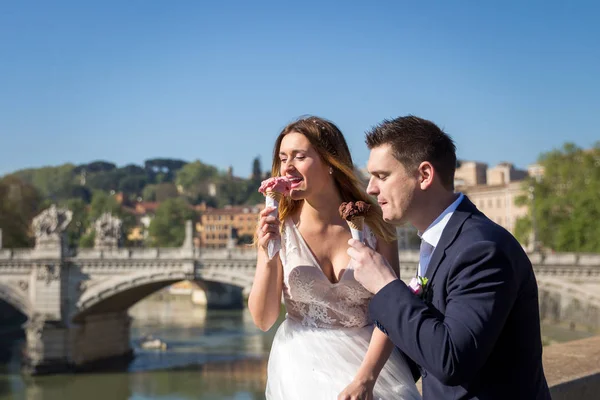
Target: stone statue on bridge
column 108, row 231
column 49, row 225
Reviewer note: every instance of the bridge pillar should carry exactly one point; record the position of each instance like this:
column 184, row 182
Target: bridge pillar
column 219, row 296
column 100, row 338
column 48, row 347
column 55, row 347
column 48, row 344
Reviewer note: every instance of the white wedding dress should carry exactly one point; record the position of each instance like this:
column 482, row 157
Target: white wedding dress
column 321, row 344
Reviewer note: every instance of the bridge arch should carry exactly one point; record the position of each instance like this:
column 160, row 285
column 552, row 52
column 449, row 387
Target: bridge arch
column 122, row 292
column 568, row 302
column 16, row 298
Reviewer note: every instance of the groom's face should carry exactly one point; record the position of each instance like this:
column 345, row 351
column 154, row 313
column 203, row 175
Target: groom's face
column 393, row 186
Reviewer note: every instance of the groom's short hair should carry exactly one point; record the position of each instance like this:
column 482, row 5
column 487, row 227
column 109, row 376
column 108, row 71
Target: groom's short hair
column 414, row 140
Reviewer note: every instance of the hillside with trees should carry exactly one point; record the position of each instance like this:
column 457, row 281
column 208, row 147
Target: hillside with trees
column 89, row 190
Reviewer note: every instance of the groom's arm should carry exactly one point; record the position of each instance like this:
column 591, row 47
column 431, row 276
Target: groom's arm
column 482, row 289
column 414, row 368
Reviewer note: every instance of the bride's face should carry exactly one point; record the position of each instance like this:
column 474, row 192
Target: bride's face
column 303, row 166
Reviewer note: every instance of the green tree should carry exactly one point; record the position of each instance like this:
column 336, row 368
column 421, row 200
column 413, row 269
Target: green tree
column 256, row 170
column 167, row 228
column 165, row 191
column 252, row 195
column 563, row 206
column 149, row 193
column 232, row 191
column 194, row 180
column 103, row 202
column 194, row 173
column 87, row 240
column 19, row 203
column 163, row 169
column 96, row 166
column 160, row 192
column 132, row 184
column 104, row 180
column 55, row 183
column 79, row 222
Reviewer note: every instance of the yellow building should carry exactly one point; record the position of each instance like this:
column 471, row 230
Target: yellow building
column 470, row 173
column 498, row 202
column 219, row 227
column 503, row 185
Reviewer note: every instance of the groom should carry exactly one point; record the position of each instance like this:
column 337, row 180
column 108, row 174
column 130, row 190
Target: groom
column 475, row 329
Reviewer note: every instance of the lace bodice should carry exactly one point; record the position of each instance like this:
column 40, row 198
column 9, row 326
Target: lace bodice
column 310, row 297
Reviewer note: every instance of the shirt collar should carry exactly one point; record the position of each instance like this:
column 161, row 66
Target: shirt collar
column 433, row 233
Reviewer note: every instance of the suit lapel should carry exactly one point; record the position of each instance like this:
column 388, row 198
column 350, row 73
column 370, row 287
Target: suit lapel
column 460, row 215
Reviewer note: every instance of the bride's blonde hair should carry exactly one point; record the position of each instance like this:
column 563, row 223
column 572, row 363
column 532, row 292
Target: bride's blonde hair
column 328, row 141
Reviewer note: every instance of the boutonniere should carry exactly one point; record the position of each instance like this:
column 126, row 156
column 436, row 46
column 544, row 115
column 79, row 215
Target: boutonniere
column 417, row 285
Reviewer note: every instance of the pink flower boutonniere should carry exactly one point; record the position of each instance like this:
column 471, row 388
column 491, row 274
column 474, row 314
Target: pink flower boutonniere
column 417, row 285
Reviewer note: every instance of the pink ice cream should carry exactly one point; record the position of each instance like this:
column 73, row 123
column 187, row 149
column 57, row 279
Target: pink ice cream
column 278, row 184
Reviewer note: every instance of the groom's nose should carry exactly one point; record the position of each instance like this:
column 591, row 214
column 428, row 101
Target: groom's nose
column 372, row 188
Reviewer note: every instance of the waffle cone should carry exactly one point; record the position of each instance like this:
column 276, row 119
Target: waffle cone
column 356, row 223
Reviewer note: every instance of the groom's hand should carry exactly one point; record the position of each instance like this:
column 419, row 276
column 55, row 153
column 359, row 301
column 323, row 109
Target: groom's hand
column 370, row 268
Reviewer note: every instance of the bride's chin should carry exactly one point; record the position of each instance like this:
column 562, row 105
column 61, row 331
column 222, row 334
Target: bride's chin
column 296, row 194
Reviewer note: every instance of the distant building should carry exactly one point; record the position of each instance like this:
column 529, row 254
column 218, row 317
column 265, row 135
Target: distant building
column 498, row 202
column 496, row 198
column 146, row 207
column 504, row 173
column 470, row 173
column 143, row 211
column 219, row 226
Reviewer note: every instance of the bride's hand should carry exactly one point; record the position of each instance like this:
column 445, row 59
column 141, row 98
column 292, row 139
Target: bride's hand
column 268, row 228
column 357, row 391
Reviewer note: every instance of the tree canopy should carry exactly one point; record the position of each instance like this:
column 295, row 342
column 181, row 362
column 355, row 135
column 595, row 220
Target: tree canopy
column 564, row 202
column 167, row 228
column 19, row 203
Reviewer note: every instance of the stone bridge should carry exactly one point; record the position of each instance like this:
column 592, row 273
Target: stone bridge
column 76, row 302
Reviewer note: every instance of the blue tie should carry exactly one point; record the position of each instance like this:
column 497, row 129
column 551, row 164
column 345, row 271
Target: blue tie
column 425, row 252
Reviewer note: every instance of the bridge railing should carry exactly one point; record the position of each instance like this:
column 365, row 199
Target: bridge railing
column 571, row 259
column 17, row 254
column 133, row 253
column 248, row 253
column 407, row 257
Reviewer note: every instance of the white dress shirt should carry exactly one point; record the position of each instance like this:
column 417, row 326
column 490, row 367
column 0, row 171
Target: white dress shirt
column 432, row 235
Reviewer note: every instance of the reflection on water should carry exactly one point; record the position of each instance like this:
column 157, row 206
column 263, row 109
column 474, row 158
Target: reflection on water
column 167, row 385
column 558, row 333
column 211, row 355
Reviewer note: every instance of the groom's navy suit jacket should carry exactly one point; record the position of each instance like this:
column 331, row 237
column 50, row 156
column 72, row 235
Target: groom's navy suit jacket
column 475, row 333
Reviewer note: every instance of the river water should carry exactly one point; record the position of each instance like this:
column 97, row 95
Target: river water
column 211, row 355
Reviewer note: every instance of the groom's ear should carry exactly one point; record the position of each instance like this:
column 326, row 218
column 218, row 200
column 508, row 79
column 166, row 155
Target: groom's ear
column 426, row 174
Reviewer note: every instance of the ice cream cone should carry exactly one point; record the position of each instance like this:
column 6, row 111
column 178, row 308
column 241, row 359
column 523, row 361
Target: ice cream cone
column 274, row 189
column 275, row 196
column 356, row 223
column 356, row 228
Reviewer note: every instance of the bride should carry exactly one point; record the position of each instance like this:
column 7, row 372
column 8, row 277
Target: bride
column 326, row 348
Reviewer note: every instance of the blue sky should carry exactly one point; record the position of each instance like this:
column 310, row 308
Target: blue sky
column 125, row 81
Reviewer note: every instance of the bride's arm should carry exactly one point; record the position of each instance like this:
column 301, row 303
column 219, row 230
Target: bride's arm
column 264, row 301
column 380, row 346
